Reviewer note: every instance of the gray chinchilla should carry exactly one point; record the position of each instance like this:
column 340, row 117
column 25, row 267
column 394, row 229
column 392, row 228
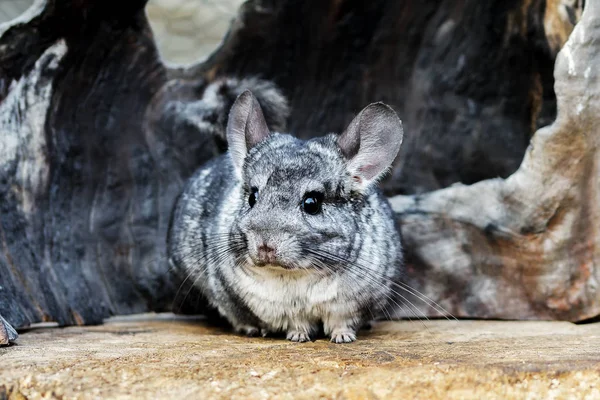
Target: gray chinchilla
column 286, row 235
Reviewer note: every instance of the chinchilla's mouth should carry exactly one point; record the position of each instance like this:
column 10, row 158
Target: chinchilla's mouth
column 274, row 266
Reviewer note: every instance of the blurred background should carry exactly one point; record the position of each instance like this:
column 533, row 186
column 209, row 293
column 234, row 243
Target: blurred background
column 186, row 30
column 10, row 9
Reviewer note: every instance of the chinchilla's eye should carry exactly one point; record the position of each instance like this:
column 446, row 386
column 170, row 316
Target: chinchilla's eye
column 253, row 196
column 312, row 203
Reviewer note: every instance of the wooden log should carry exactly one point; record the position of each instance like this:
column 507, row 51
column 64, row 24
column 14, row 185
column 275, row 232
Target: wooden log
column 470, row 80
column 84, row 195
column 98, row 137
column 527, row 246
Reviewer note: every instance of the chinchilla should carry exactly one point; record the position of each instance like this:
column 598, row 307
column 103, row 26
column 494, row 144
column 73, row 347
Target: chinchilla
column 285, row 235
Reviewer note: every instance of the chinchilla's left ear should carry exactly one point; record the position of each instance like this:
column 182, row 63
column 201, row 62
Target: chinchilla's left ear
column 371, row 143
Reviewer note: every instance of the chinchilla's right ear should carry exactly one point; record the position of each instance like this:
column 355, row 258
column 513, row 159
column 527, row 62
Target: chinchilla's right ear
column 371, row 143
column 246, row 127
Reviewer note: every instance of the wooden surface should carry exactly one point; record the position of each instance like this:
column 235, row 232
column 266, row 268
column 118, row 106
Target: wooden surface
column 165, row 358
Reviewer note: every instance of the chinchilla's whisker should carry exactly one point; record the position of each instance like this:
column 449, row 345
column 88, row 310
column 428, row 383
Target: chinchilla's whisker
column 400, row 285
column 219, row 258
column 382, row 306
column 420, row 296
column 367, row 274
column 322, row 269
column 405, row 302
column 190, row 289
column 323, row 265
column 427, row 300
column 184, row 252
column 372, row 281
column 411, row 306
column 188, row 276
column 219, row 253
column 446, row 314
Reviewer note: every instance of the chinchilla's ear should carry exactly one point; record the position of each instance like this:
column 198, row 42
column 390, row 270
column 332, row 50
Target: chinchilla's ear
column 371, row 143
column 246, row 127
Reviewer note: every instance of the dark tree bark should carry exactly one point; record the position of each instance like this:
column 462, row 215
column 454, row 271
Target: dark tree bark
column 471, row 80
column 84, row 197
column 98, row 138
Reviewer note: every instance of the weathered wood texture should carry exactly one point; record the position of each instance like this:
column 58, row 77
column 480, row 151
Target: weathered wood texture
column 85, row 190
column 98, row 138
column 526, row 246
column 163, row 358
column 471, row 80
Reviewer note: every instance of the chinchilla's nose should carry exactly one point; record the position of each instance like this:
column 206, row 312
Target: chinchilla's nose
column 267, row 253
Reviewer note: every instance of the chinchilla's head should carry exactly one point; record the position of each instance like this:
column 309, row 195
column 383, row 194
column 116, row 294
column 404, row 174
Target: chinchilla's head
column 303, row 198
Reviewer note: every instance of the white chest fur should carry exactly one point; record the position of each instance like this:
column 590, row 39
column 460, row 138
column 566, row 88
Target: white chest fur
column 285, row 300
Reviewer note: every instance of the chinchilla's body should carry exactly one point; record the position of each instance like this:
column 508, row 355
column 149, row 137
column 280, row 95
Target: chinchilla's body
column 286, row 235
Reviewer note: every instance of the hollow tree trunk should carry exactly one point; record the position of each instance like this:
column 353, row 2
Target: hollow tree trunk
column 526, row 246
column 98, row 138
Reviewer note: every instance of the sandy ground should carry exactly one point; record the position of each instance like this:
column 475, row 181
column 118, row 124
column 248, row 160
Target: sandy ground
column 160, row 356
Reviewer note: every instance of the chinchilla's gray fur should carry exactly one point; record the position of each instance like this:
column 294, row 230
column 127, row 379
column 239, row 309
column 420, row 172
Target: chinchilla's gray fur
column 269, row 265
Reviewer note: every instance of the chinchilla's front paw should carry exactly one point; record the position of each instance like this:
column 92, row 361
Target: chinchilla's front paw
column 249, row 330
column 298, row 336
column 7, row 333
column 344, row 335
